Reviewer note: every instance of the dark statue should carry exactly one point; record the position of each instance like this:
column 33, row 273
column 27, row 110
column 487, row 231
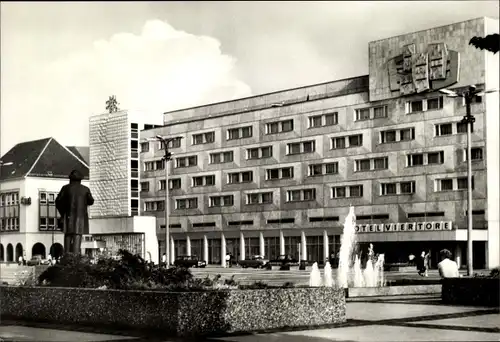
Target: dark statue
column 72, row 202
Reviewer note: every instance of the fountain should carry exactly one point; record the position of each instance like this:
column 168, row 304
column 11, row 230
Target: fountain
column 372, row 275
column 328, row 275
column 315, row 277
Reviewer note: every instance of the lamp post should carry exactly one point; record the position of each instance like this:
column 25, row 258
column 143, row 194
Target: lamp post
column 468, row 119
column 166, row 157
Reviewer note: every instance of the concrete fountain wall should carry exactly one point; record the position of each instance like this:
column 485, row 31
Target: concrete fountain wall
column 178, row 313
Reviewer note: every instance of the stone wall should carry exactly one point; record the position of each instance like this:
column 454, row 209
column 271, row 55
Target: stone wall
column 183, row 314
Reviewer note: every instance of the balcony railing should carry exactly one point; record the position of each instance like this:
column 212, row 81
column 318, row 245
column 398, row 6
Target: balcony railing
column 134, row 133
column 135, row 211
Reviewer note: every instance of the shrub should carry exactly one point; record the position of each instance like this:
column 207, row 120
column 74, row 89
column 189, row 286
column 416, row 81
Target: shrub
column 128, row 272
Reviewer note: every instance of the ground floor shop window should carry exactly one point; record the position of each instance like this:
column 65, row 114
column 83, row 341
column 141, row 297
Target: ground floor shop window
column 272, row 247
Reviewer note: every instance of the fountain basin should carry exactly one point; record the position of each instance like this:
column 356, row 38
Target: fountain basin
column 354, row 292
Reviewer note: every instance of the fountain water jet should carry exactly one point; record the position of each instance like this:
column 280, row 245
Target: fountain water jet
column 373, row 274
column 315, row 277
column 328, row 276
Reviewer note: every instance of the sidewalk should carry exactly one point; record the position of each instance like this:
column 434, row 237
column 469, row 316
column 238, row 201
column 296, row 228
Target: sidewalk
column 398, row 318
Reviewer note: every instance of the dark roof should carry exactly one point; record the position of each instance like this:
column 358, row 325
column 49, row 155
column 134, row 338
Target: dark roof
column 40, row 158
column 83, row 153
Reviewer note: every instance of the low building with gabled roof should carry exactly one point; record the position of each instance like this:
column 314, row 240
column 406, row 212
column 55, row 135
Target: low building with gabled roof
column 31, row 175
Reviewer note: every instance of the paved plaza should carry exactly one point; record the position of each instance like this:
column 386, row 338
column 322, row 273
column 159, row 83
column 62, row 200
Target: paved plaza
column 399, row 318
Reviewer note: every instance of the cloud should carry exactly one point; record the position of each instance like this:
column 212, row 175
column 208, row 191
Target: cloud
column 161, row 69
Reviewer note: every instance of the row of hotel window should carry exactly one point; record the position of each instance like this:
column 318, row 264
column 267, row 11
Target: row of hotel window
column 328, row 119
column 263, row 152
column 338, row 192
column 318, row 169
column 315, row 219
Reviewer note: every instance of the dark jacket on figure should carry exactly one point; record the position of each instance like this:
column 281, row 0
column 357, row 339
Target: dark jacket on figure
column 72, row 202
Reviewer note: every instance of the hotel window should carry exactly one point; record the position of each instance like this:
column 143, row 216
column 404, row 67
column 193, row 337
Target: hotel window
column 301, row 195
column 175, row 183
column 154, row 206
column 203, row 138
column 407, row 134
column 445, row 184
column 203, row 181
column 279, row 173
column 476, row 152
column 416, row 106
column 388, row 189
column 186, row 161
column 240, row 177
column 323, row 169
column 222, row 201
column 221, row 157
column 424, row 105
column 260, row 152
column 462, row 183
column 329, row 119
column 239, row 133
column 279, row 127
column 338, row 143
column 368, row 164
column 144, row 147
column 340, row 191
column 435, row 103
column 387, row 137
column 362, row 114
column 415, row 159
column 363, row 165
column 462, row 128
column 380, row 163
column 260, row 198
column 356, row 191
column 301, row 147
column 43, row 197
column 435, row 157
column 175, row 143
column 444, row 129
column 356, row 140
column 144, row 186
column 154, row 165
column 380, row 112
column 186, row 203
column 407, row 187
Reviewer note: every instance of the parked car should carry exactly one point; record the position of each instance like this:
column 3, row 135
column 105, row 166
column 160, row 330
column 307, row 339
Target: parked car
column 189, row 261
column 284, row 259
column 255, row 261
column 37, row 260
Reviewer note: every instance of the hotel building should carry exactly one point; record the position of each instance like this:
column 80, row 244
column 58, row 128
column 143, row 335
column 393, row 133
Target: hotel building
column 276, row 173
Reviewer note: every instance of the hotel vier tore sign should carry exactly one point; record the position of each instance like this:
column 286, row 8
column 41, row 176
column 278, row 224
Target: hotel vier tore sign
column 417, row 72
column 404, row 227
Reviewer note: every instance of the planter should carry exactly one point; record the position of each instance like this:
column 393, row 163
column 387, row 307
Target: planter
column 178, row 313
column 471, row 291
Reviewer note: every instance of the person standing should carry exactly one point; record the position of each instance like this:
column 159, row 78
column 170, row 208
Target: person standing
column 164, row 260
column 72, row 202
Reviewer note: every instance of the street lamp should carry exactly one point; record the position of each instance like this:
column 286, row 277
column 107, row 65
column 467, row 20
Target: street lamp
column 468, row 119
column 166, row 157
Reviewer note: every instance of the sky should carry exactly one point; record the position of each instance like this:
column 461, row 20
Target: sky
column 61, row 60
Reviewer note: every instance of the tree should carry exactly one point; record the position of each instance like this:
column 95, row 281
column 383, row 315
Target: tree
column 112, row 104
column 490, row 43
